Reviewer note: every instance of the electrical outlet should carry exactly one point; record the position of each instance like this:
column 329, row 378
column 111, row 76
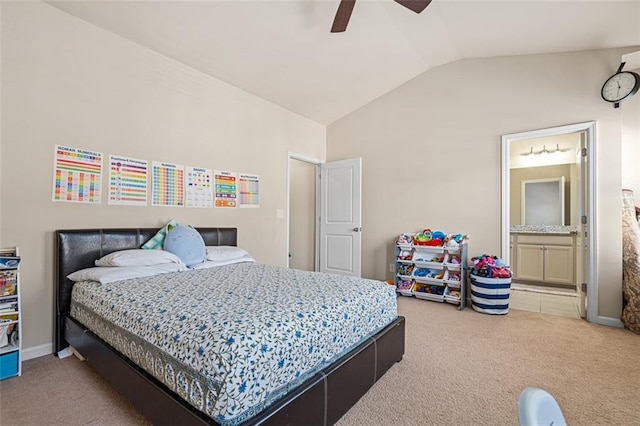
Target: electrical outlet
column 391, row 267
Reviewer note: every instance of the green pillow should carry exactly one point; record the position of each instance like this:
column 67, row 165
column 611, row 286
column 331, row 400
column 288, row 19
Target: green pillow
column 157, row 241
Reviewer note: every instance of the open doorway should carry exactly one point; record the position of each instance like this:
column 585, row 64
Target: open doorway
column 324, row 215
column 302, row 212
column 553, row 264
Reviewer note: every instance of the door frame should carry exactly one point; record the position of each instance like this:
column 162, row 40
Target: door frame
column 316, row 162
column 589, row 127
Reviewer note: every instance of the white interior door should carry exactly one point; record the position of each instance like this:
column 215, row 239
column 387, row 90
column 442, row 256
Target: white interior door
column 341, row 216
column 582, row 254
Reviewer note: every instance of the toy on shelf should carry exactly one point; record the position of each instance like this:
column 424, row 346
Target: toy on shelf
column 405, row 255
column 405, row 239
column 421, row 258
column 428, row 238
column 421, row 272
column 454, row 276
column 405, row 270
column 405, row 284
column 429, row 289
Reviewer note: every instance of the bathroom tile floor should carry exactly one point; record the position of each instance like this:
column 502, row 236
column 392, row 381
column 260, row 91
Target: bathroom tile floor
column 547, row 300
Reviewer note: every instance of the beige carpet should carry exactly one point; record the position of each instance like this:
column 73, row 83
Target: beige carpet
column 460, row 368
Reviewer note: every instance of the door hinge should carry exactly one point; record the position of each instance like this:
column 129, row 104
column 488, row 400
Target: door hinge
column 584, row 152
column 583, row 219
column 584, row 287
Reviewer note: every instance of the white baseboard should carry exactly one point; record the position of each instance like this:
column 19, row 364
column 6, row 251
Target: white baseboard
column 611, row 322
column 37, row 351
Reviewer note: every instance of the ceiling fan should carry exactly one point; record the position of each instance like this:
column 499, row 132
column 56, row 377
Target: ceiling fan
column 346, row 7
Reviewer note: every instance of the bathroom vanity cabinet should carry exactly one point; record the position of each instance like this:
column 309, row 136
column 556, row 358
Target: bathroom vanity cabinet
column 544, row 259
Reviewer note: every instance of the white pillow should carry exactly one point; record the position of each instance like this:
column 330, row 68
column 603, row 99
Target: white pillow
column 215, row 263
column 138, row 257
column 221, row 253
column 106, row 274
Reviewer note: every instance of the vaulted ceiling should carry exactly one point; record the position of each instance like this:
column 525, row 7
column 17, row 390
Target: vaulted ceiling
column 282, row 51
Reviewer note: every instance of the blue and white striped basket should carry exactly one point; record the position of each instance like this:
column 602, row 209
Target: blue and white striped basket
column 490, row 295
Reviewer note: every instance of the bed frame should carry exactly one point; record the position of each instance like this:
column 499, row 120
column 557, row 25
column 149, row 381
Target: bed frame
column 321, row 400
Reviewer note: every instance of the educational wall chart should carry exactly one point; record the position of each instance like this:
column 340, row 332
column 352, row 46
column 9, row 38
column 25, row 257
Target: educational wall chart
column 127, row 181
column 167, row 182
column 77, row 175
column 249, row 189
column 199, row 187
column 225, row 189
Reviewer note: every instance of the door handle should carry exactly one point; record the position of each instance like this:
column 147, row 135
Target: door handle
column 357, row 229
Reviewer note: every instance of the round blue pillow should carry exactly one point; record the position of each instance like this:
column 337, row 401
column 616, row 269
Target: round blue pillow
column 187, row 244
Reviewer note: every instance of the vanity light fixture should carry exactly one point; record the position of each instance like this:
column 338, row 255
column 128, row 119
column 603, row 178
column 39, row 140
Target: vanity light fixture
column 528, row 153
column 560, row 150
column 544, row 150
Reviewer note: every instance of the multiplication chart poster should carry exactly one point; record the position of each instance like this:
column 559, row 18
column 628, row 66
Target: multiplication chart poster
column 225, row 189
column 77, row 175
column 127, row 181
column 167, row 181
column 199, row 187
column 249, row 189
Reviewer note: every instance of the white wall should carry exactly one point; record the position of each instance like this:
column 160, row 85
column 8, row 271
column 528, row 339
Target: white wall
column 631, row 145
column 68, row 82
column 631, row 133
column 431, row 151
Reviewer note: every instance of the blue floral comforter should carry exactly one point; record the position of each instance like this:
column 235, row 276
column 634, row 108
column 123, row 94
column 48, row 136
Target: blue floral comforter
column 233, row 339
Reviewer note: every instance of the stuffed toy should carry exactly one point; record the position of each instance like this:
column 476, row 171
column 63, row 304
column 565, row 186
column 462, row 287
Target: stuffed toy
column 186, row 243
column 405, row 239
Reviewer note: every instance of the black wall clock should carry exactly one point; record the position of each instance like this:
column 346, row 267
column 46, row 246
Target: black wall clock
column 620, row 86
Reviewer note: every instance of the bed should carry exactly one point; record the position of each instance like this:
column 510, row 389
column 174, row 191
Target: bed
column 319, row 397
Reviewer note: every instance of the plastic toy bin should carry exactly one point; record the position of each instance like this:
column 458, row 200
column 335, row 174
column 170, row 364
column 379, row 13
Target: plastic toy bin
column 8, row 365
column 490, row 295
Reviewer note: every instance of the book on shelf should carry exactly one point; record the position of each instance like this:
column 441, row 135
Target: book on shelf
column 8, row 282
column 9, row 305
column 9, row 262
column 8, row 317
column 8, row 251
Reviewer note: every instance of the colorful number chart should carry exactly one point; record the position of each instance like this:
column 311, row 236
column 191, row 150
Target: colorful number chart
column 225, row 189
column 199, row 187
column 167, row 185
column 249, row 188
column 127, row 181
column 77, row 175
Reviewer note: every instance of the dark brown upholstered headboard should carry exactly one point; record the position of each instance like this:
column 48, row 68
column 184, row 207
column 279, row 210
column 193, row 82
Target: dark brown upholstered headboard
column 79, row 248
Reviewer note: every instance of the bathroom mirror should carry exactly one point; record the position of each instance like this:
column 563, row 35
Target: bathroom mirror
column 543, row 201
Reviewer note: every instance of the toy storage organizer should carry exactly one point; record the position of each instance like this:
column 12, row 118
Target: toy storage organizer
column 10, row 314
column 435, row 273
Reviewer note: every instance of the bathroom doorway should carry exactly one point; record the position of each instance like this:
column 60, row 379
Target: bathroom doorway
column 553, row 263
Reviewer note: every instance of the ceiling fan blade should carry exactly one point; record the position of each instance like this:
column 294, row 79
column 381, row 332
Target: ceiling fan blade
column 416, row 5
column 342, row 16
